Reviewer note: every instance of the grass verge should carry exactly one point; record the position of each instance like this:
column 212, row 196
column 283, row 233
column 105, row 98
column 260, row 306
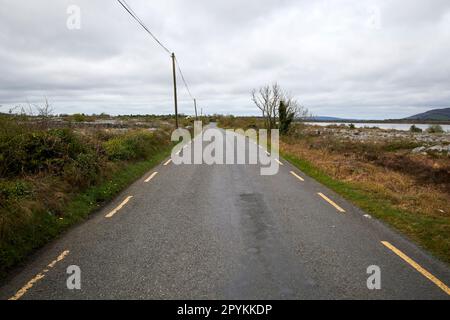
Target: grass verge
column 430, row 232
column 46, row 227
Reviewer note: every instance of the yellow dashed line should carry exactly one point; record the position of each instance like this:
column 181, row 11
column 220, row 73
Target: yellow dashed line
column 60, row 257
column 416, row 266
column 297, row 176
column 151, row 176
column 331, row 202
column 124, row 202
column 38, row 277
column 167, row 162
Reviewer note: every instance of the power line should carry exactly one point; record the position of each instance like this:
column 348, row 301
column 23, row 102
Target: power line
column 125, row 5
column 182, row 78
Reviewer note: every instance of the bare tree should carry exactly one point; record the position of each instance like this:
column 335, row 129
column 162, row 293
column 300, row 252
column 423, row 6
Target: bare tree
column 293, row 106
column 268, row 99
column 45, row 110
column 44, row 113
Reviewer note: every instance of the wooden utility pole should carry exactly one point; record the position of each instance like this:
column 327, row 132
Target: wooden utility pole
column 195, row 106
column 175, row 90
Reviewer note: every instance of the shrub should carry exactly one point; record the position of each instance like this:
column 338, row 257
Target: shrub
column 42, row 171
column 413, row 128
column 82, row 171
column 131, row 146
column 396, row 145
column 35, row 151
column 13, row 190
column 79, row 117
column 435, row 128
column 118, row 149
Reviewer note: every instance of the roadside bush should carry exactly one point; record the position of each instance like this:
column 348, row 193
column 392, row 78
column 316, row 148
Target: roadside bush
column 82, row 171
column 13, row 190
column 36, row 151
column 131, row 146
column 103, row 135
column 43, row 172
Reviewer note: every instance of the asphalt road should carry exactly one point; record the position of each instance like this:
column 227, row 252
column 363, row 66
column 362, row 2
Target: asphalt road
column 227, row 232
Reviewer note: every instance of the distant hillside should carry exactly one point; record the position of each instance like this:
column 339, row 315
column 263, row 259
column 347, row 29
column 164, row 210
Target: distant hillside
column 324, row 118
column 435, row 114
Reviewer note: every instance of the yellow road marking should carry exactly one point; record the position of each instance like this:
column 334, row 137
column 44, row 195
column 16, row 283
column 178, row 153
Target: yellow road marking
column 151, row 176
column 331, row 202
column 297, row 176
column 279, row 162
column 167, row 162
column 124, row 202
column 38, row 277
column 416, row 266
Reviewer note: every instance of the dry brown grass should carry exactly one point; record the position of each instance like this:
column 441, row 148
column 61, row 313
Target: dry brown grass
column 420, row 189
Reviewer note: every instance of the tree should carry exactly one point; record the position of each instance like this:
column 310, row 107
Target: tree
column 268, row 99
column 286, row 117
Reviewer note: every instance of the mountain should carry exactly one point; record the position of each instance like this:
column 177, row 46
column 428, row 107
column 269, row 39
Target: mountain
column 435, row 114
column 324, row 118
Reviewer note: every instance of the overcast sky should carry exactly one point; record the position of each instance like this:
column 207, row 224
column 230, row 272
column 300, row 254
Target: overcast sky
column 358, row 59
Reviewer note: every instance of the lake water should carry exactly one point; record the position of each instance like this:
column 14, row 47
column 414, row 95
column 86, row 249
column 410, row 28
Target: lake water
column 396, row 126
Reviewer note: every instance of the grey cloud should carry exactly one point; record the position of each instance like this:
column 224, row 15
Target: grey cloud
column 328, row 54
